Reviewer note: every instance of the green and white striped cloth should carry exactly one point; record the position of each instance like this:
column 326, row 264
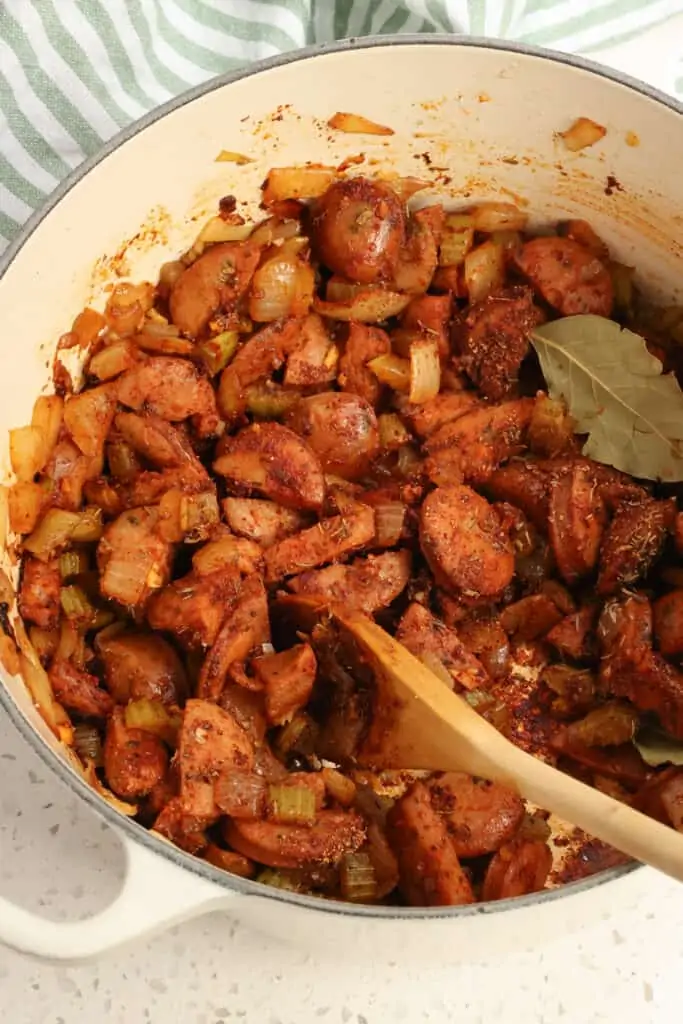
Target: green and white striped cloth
column 73, row 72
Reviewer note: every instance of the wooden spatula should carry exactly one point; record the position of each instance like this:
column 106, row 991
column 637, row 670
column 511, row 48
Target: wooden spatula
column 422, row 724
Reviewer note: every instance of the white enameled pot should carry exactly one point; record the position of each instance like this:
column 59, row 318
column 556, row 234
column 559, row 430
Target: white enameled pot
column 477, row 119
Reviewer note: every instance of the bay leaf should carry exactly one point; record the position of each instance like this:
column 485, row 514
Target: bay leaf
column 657, row 748
column 616, row 392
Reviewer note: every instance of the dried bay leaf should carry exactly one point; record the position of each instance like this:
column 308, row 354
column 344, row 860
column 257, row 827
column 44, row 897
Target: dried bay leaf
column 617, row 394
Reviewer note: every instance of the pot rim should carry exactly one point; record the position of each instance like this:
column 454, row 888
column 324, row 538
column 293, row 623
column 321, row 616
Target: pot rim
column 131, row 829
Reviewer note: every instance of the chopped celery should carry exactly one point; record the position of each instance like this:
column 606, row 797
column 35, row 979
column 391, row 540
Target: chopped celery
column 76, row 605
column 89, row 527
column 153, row 716
column 52, row 533
column 292, row 804
column 88, row 744
column 269, row 402
column 219, row 350
column 357, row 877
column 72, row 563
column 279, row 880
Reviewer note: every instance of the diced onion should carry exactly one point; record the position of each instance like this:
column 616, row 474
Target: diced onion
column 392, row 370
column 392, row 431
column 338, row 289
column 26, row 450
column 44, row 642
column 88, row 417
column 291, row 804
column 272, row 229
column 165, row 344
column 408, row 461
column 306, row 182
column 226, row 156
column 405, row 187
column 357, row 124
column 582, row 133
column 484, row 270
column 154, row 717
column 40, row 688
column 199, row 513
column 112, row 360
column 127, row 306
column 389, row 522
column 87, row 326
column 339, row 787
column 283, row 285
column 241, row 794
column 425, row 370
column 169, row 274
column 367, row 306
column 357, row 878
column 48, row 412
column 25, row 505
column 122, row 460
column 490, row 217
column 456, row 240
column 9, row 655
column 52, row 534
column 217, row 229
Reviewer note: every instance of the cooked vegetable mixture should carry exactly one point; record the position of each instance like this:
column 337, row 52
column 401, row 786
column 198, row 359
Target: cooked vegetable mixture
column 341, row 404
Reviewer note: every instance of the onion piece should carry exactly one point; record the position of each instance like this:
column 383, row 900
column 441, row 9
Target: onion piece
column 88, row 417
column 217, row 229
column 484, row 270
column 425, row 370
column 47, row 416
column 367, row 306
column 154, row 717
column 165, row 344
column 25, row 505
column 40, row 688
column 26, row 451
column 127, row 306
column 392, row 431
column 273, row 229
column 89, row 527
column 71, row 644
column 86, row 327
column 112, row 360
column 339, row 787
column 199, row 513
column 240, row 794
column 52, row 534
column 338, row 289
column 44, row 642
column 490, row 217
column 456, row 240
column 356, row 124
column 392, row 370
column 226, row 156
column 283, row 285
column 582, row 133
column 306, row 182
column 389, row 522
column 122, row 460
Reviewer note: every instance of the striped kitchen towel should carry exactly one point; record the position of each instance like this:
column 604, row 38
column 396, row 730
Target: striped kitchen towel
column 73, row 72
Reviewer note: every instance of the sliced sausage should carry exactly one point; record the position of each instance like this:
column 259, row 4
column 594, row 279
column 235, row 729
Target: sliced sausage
column 363, row 344
column 314, row 359
column 479, row 441
column 210, row 740
column 288, row 678
column 193, row 607
column 492, row 339
column 259, row 357
column 480, row 816
column 423, row 634
column 358, row 229
column 216, row 279
column 430, row 874
column 444, row 408
column 88, row 417
column 524, row 484
column 70, row 470
column 79, row 691
column 573, row 636
column 341, row 428
column 462, row 539
column 132, row 558
column 668, row 623
column 569, row 277
column 274, row 461
column 365, row 585
column 430, row 314
column 576, row 522
column 41, row 583
column 520, row 867
column 332, row 834
column 135, row 761
column 141, row 666
column 484, row 637
column 325, row 542
column 160, row 443
column 245, row 627
column 632, row 543
column 172, row 389
column 261, row 521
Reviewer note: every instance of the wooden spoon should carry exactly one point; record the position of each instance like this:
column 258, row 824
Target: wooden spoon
column 420, row 723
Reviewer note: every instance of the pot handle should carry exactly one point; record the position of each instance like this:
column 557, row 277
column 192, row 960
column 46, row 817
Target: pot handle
column 155, row 895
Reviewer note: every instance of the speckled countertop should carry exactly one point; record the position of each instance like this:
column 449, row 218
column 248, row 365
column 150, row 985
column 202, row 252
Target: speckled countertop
column 57, row 858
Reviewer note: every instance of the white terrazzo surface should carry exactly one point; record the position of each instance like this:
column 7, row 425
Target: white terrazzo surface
column 57, row 858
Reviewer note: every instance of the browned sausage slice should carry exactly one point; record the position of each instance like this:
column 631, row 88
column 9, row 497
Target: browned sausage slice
column 332, row 834
column 263, row 353
column 141, row 666
column 567, row 276
column 632, row 542
column 463, row 541
column 41, row 583
column 430, row 314
column 365, row 585
column 444, row 408
column 261, row 521
column 479, row 441
column 217, row 278
column 288, row 678
column 423, row 634
column 79, row 691
column 341, row 428
column 274, row 461
column 193, row 607
column 135, row 761
column 668, row 623
column 245, row 627
column 576, row 521
column 524, row 484
column 172, row 389
column 363, row 344
column 132, row 558
column 573, row 636
column 480, row 816
column 210, row 740
column 430, row 874
column 325, row 542
column 493, row 339
column 517, row 869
